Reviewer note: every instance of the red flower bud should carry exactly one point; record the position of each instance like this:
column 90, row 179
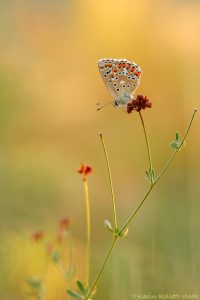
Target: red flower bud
column 85, row 170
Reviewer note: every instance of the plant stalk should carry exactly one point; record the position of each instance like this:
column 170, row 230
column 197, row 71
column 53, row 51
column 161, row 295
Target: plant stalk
column 102, row 267
column 88, row 232
column 148, row 147
column 110, row 181
column 139, row 206
column 161, row 173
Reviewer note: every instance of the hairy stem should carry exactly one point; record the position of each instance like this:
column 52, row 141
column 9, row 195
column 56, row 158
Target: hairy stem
column 102, row 267
column 110, row 180
column 148, row 147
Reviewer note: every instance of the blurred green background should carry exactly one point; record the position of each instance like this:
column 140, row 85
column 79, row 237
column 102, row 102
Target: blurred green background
column 49, row 87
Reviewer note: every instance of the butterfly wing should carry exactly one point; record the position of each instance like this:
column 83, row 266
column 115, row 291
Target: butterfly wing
column 120, row 76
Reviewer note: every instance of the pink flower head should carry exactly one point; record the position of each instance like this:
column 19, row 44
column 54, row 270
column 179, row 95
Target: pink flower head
column 141, row 102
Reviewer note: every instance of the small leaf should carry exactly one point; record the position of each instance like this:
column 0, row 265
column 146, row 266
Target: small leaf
column 55, row 256
column 174, row 146
column 147, row 175
column 108, row 225
column 34, row 283
column 177, row 137
column 80, row 286
column 150, row 175
column 74, row 294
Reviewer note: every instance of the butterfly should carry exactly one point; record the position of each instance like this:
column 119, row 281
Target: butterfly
column 121, row 78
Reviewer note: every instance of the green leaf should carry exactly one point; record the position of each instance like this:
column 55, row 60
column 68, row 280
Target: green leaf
column 34, row 283
column 108, row 225
column 177, row 137
column 55, row 256
column 150, row 175
column 74, row 294
column 80, row 286
column 147, row 175
column 174, row 145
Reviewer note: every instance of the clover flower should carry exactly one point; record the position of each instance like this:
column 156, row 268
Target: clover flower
column 141, row 102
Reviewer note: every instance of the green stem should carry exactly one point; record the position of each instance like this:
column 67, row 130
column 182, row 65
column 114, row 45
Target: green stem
column 70, row 257
column 102, row 267
column 110, row 180
column 148, row 147
column 87, row 205
column 138, row 208
column 181, row 144
column 67, row 273
column 41, row 295
column 160, row 175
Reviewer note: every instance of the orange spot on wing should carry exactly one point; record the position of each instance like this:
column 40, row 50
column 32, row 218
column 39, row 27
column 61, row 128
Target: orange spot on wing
column 119, row 65
column 132, row 69
column 137, row 73
column 114, row 70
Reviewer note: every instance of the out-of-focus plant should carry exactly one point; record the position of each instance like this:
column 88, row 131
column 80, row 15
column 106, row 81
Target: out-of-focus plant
column 54, row 254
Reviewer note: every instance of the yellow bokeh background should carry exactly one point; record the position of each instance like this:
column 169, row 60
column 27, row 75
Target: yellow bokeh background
column 49, row 87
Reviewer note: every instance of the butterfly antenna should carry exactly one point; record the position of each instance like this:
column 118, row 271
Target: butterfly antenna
column 103, row 105
column 102, row 102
